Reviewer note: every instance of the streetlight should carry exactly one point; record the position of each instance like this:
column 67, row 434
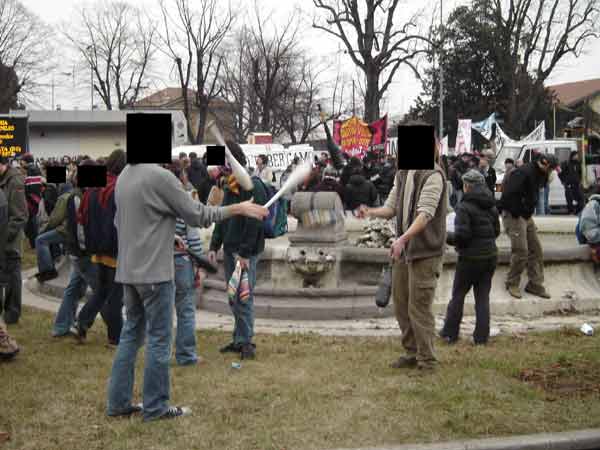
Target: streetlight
column 67, row 74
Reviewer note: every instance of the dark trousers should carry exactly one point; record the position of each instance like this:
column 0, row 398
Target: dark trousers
column 477, row 274
column 108, row 299
column 10, row 302
column 573, row 193
column 31, row 230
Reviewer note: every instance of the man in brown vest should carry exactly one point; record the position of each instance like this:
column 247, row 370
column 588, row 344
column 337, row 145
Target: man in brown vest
column 419, row 202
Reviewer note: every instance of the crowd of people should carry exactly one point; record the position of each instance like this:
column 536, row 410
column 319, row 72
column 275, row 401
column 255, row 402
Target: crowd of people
column 105, row 232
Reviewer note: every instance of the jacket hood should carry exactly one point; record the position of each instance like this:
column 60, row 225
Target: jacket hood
column 481, row 196
column 357, row 179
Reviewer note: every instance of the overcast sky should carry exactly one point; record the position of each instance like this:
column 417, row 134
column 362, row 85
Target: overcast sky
column 71, row 91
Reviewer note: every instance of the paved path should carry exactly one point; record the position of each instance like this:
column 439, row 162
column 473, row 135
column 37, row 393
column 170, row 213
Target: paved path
column 368, row 327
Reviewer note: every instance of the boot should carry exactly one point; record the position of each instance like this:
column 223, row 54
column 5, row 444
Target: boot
column 514, row 291
column 539, row 291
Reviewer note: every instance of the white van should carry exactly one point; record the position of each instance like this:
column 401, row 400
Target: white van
column 561, row 149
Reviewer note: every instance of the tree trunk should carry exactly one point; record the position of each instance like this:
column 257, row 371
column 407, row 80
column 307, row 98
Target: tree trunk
column 372, row 95
column 202, row 118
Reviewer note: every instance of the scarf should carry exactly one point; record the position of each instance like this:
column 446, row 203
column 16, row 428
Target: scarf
column 107, row 191
column 233, row 185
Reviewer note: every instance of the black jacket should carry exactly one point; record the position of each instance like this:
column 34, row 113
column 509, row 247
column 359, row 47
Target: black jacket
column 198, row 176
column 570, row 172
column 459, row 169
column 521, row 190
column 100, row 231
column 330, row 185
column 490, row 179
column 385, row 182
column 477, row 225
column 360, row 191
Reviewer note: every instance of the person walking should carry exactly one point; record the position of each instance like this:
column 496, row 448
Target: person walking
column 84, row 272
column 97, row 215
column 419, row 202
column 243, row 241
column 148, row 200
column 12, row 183
column 517, row 203
column 477, row 226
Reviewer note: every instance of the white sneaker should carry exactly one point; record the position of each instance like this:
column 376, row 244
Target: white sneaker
column 176, row 411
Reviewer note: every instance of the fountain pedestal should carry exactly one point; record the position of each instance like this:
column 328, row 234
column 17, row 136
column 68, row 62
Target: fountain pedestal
column 314, row 255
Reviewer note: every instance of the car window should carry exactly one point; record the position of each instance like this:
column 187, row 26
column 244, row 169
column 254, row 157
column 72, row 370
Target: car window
column 562, row 153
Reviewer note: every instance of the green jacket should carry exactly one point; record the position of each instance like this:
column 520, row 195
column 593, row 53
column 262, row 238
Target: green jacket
column 238, row 234
column 13, row 185
column 58, row 219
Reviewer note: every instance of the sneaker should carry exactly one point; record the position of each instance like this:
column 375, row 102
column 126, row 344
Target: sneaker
column 78, row 332
column 137, row 408
column 176, row 411
column 248, row 351
column 231, row 348
column 514, row 291
column 538, row 291
column 404, row 362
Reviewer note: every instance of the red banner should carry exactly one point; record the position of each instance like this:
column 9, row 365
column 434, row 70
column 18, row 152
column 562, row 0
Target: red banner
column 356, row 138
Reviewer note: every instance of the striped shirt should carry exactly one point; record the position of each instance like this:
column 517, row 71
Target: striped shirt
column 190, row 235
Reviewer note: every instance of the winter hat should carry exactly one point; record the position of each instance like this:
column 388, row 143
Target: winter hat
column 473, row 177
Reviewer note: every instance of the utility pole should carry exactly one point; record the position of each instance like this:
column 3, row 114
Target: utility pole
column 353, row 104
column 441, row 128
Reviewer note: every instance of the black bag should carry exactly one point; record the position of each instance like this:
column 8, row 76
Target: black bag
column 384, row 291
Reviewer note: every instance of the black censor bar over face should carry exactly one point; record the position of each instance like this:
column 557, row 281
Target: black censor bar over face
column 56, row 174
column 91, row 176
column 416, row 147
column 215, row 155
column 149, row 138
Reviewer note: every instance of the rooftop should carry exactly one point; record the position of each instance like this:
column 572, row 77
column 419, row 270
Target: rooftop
column 84, row 118
column 570, row 94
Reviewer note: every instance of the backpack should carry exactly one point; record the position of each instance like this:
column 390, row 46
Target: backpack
column 275, row 224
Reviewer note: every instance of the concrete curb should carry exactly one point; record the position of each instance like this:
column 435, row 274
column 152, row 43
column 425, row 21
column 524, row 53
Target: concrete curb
column 570, row 440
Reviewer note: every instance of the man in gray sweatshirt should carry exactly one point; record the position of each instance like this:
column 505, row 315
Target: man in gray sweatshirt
column 148, row 200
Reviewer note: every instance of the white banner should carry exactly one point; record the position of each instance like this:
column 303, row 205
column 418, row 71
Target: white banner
column 539, row 134
column 444, row 146
column 501, row 138
column 463, row 137
column 485, row 126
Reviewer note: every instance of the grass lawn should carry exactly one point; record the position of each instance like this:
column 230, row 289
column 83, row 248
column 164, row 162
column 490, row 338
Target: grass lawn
column 304, row 392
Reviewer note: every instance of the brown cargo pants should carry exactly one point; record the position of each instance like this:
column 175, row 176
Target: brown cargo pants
column 413, row 292
column 526, row 251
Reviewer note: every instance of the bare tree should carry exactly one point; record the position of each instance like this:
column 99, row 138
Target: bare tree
column 116, row 41
column 381, row 47
column 24, row 52
column 533, row 36
column 193, row 39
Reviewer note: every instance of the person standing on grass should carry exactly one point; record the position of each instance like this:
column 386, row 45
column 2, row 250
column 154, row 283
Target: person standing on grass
column 96, row 214
column 8, row 346
column 148, row 200
column 419, row 201
column 12, row 183
column 243, row 241
column 477, row 226
column 185, row 305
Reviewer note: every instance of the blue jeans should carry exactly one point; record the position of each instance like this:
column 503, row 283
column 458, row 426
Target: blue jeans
column 42, row 248
column 149, row 313
column 243, row 312
column 185, row 308
column 83, row 274
column 542, row 207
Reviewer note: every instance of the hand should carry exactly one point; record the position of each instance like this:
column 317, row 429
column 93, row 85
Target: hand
column 397, row 247
column 212, row 257
column 252, row 210
column 180, row 244
column 363, row 211
column 244, row 262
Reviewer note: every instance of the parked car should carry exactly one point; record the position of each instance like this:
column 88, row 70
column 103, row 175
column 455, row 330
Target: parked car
column 561, row 149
